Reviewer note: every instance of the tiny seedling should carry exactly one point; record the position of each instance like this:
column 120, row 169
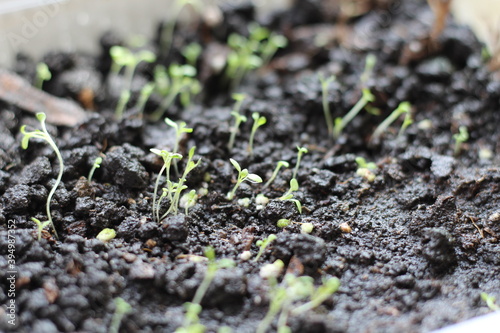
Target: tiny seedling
column 242, row 176
column 341, row 123
column 263, row 244
column 44, row 135
column 294, row 186
column 179, row 81
column 325, row 83
column 300, row 151
column 193, row 309
column 96, row 165
column 283, row 223
column 305, row 228
column 365, row 169
column 460, row 138
column 146, row 92
column 42, row 74
column 287, row 299
column 40, row 226
column 124, row 57
column 370, row 62
column 403, row 108
column 258, row 121
column 188, row 200
column 271, row 46
column 106, row 235
column 122, row 308
column 180, row 129
column 167, row 31
column 174, row 203
column 191, row 52
column 490, row 301
column 238, row 118
column 275, row 172
column 167, row 161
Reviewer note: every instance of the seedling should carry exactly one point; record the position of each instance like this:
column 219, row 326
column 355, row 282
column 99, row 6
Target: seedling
column 191, row 52
column 188, row 200
column 403, row 108
column 263, row 244
column 96, row 165
column 325, row 83
column 275, row 172
column 124, row 57
column 305, row 228
column 238, row 118
column 44, row 135
column 460, row 137
column 167, row 161
column 180, row 129
column 42, row 74
column 301, row 151
column 146, row 92
column 40, row 226
column 258, row 121
column 271, row 46
column 490, row 301
column 167, row 32
column 285, row 299
column 341, row 123
column 180, row 81
column 365, row 169
column 191, row 319
column 190, row 165
column 294, row 186
column 243, row 175
column 370, row 62
column 106, row 235
column 122, row 308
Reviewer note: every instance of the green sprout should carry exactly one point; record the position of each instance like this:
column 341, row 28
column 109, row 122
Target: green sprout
column 341, row 123
column 325, row 83
column 144, row 95
column 403, row 108
column 180, row 129
column 258, row 121
column 179, row 81
column 188, row 200
column 193, row 309
column 283, row 223
column 190, row 165
column 242, row 176
column 238, row 118
column 44, row 135
column 167, row 161
column 167, row 31
column 490, row 301
column 305, row 228
column 287, row 299
column 250, row 53
column 122, row 308
column 263, row 244
column 365, row 169
column 275, row 172
column 460, row 137
column 42, row 74
column 106, row 235
column 370, row 62
column 96, row 165
column 300, row 151
column 40, row 226
column 294, row 186
column 191, row 52
column 124, row 57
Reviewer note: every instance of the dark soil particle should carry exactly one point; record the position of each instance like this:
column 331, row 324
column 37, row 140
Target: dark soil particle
column 413, row 249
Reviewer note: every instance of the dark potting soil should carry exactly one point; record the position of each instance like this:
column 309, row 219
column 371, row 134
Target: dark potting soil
column 413, row 248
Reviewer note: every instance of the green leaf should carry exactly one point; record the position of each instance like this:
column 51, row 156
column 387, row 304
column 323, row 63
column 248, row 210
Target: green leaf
column 254, row 178
column 235, row 164
column 294, row 185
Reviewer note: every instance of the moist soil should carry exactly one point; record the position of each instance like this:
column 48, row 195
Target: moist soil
column 413, row 248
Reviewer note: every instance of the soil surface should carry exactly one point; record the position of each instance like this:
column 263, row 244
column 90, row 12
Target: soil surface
column 413, row 248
